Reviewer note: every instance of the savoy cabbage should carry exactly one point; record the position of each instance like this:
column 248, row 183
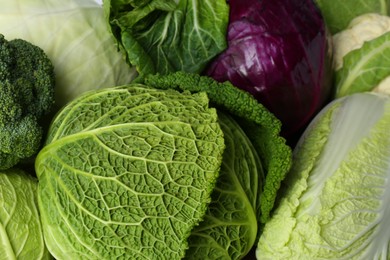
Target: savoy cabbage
column 139, row 172
column 230, row 227
column 128, row 172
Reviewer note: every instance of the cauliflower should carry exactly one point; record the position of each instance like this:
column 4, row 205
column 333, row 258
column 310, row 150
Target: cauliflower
column 360, row 55
column 362, row 29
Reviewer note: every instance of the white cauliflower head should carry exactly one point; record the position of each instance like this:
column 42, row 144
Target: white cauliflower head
column 363, row 28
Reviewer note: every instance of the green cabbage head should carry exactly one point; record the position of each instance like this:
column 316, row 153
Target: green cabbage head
column 75, row 36
column 127, row 172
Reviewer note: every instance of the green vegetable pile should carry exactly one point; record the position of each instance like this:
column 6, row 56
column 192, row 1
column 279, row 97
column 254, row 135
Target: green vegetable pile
column 150, row 165
column 141, row 156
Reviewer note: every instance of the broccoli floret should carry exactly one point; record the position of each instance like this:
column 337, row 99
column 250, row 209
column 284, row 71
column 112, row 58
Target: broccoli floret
column 26, row 95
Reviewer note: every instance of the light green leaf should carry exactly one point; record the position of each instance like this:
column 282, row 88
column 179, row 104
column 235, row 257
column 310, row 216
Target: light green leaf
column 261, row 126
column 21, row 235
column 128, row 172
column 364, row 68
column 75, row 36
column 337, row 194
column 230, row 227
column 165, row 36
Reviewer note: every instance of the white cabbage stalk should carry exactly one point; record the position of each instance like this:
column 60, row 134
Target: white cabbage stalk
column 336, row 202
column 75, row 36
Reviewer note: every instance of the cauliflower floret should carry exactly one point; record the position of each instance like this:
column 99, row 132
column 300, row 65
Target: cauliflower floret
column 383, row 86
column 363, row 28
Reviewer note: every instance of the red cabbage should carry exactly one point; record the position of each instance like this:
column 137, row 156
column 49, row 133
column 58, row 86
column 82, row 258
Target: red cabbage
column 278, row 50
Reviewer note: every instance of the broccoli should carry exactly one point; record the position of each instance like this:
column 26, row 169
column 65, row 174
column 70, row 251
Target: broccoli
column 26, row 95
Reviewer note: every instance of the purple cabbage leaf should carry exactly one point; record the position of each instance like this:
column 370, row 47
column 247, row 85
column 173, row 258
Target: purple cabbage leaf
column 280, row 52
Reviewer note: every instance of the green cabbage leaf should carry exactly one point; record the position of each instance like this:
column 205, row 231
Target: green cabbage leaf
column 364, row 68
column 168, row 35
column 230, row 227
column 160, row 171
column 335, row 204
column 127, row 172
column 75, row 36
column 21, row 235
column 259, row 125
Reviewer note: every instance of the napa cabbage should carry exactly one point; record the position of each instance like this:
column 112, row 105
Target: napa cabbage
column 335, row 203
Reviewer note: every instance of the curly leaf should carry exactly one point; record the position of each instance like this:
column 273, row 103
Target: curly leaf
column 128, row 172
column 230, row 228
column 164, row 36
column 261, row 126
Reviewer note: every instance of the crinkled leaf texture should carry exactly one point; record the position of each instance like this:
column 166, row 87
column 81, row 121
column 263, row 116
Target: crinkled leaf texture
column 230, row 227
column 75, row 36
column 336, row 204
column 260, row 126
column 168, row 35
column 127, row 172
column 21, row 235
